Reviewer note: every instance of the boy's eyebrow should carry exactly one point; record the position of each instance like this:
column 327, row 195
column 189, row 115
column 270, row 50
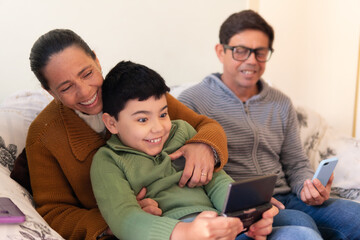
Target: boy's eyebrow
column 79, row 74
column 147, row 112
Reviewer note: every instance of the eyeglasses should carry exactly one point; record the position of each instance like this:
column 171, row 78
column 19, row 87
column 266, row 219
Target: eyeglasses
column 241, row 53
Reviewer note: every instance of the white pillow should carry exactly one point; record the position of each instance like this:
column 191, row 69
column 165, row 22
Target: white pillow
column 35, row 227
column 16, row 114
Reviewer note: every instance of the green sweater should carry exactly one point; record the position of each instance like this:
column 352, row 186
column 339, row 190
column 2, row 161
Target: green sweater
column 119, row 172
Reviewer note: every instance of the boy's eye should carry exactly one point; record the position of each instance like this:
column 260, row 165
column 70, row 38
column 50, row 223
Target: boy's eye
column 142, row 120
column 163, row 115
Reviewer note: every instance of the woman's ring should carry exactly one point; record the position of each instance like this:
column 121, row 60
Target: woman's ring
column 203, row 174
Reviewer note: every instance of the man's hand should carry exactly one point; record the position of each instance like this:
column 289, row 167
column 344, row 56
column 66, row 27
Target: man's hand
column 263, row 227
column 148, row 205
column 314, row 193
column 199, row 165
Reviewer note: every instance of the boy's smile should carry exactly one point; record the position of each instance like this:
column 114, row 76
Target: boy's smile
column 144, row 125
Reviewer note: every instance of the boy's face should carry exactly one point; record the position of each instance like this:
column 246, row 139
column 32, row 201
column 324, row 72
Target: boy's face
column 144, row 125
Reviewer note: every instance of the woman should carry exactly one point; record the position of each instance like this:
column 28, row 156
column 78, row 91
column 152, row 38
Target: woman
column 64, row 137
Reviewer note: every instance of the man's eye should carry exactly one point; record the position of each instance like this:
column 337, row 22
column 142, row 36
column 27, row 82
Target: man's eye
column 262, row 52
column 241, row 51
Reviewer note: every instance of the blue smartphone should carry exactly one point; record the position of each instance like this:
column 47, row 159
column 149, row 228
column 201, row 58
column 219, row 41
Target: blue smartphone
column 325, row 169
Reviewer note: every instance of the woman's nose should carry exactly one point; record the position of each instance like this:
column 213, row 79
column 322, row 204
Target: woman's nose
column 83, row 88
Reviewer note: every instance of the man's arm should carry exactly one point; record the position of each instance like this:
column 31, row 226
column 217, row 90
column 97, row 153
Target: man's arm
column 294, row 161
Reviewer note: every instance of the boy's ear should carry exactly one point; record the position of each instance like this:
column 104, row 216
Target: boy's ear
column 110, row 123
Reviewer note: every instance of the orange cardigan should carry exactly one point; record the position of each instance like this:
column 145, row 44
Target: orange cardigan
column 60, row 147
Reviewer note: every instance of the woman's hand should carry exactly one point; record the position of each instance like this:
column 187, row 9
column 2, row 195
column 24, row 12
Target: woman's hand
column 199, row 165
column 148, row 205
column 208, row 225
column 263, row 227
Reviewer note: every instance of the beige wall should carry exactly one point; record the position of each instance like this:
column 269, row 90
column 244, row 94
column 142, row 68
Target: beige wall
column 176, row 38
column 316, row 55
column 316, row 42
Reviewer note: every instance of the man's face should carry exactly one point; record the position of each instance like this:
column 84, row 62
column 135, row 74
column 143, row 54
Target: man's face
column 243, row 75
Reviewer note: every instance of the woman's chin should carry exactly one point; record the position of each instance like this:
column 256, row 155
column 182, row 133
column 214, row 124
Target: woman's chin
column 90, row 110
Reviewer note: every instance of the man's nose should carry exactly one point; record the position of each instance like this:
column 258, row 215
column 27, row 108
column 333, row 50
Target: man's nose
column 251, row 58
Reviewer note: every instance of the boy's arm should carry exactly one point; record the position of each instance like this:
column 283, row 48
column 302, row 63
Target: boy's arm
column 119, row 207
column 216, row 189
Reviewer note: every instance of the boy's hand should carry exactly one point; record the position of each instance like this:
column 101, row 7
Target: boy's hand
column 208, row 225
column 277, row 203
column 199, row 164
column 314, row 193
column 263, row 227
column 148, row 205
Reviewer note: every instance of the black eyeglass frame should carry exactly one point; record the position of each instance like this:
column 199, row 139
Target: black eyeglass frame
column 251, row 50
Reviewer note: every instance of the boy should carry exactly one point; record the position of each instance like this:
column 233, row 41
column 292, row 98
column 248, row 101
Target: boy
column 137, row 156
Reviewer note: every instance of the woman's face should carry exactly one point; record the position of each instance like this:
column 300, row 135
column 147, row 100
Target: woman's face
column 75, row 79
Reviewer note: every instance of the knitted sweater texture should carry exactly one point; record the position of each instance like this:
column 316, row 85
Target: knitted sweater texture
column 263, row 133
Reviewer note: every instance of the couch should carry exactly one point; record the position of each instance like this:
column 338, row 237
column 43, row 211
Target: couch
column 18, row 110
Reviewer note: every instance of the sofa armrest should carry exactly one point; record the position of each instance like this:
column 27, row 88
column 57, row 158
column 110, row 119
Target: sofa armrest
column 321, row 141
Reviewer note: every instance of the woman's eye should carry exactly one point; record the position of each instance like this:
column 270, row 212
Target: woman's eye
column 65, row 89
column 88, row 74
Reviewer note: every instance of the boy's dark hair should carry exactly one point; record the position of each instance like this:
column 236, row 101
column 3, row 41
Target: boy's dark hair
column 52, row 43
column 128, row 80
column 244, row 20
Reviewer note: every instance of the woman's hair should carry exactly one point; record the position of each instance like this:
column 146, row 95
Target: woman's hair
column 51, row 43
column 244, row 20
column 127, row 81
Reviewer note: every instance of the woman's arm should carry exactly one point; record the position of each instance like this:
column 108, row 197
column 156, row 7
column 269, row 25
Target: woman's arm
column 198, row 151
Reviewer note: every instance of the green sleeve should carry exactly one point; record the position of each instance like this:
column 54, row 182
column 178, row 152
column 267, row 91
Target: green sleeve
column 118, row 205
column 217, row 188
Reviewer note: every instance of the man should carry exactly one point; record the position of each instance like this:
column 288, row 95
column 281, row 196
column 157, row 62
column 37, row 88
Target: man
column 261, row 126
